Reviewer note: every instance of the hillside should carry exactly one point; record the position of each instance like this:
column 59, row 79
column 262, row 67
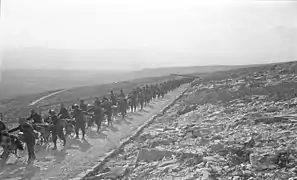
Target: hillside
column 27, row 71
column 18, row 105
column 25, row 82
column 235, row 124
column 238, row 124
column 16, row 82
column 186, row 70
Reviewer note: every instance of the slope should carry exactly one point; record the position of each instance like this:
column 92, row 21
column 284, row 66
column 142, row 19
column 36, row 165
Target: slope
column 239, row 125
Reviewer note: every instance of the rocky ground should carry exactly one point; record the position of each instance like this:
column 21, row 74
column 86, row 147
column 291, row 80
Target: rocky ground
column 239, row 127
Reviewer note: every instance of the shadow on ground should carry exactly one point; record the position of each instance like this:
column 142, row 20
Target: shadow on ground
column 18, row 171
column 96, row 135
column 57, row 156
column 145, row 111
column 150, row 106
column 113, row 129
column 137, row 114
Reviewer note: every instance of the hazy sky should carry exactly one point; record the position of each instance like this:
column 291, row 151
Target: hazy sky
column 246, row 31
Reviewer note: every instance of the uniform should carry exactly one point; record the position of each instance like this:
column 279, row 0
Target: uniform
column 83, row 107
column 36, row 118
column 64, row 114
column 108, row 111
column 2, row 126
column 80, row 123
column 113, row 99
column 57, row 130
column 29, row 138
column 98, row 115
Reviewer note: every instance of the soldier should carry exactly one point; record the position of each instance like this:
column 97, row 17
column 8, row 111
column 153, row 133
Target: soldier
column 80, row 123
column 108, row 110
column 113, row 98
column 97, row 115
column 122, row 95
column 147, row 95
column 83, row 106
column 37, row 119
column 63, row 114
column 90, row 117
column 2, row 125
column 162, row 90
column 28, row 137
column 141, row 98
column 158, row 90
column 133, row 99
column 97, row 101
column 122, row 103
column 57, row 129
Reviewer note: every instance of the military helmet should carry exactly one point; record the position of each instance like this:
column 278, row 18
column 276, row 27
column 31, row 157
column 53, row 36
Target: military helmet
column 75, row 106
column 51, row 111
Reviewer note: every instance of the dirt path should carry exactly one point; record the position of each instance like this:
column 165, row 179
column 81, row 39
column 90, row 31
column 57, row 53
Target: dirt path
column 47, row 96
column 79, row 156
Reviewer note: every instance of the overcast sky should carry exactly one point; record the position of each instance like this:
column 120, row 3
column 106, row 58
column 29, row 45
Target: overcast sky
column 243, row 31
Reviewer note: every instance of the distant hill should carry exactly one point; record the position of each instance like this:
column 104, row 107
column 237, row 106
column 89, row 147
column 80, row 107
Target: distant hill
column 184, row 70
column 31, row 81
column 34, row 70
column 23, row 82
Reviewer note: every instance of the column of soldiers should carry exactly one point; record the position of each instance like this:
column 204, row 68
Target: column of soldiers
column 108, row 107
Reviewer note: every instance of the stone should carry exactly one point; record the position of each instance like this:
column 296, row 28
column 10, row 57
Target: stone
column 149, row 155
column 114, row 173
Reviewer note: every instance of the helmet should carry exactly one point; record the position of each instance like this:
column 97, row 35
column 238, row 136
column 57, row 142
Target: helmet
column 33, row 111
column 75, row 106
column 51, row 111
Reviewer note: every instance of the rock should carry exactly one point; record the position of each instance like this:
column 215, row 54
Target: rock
column 206, row 175
column 293, row 178
column 219, row 148
column 250, row 143
column 149, row 155
column 270, row 120
column 168, row 166
column 263, row 161
column 251, row 178
column 166, row 163
column 237, row 178
column 210, row 159
column 216, row 146
column 161, row 142
column 114, row 173
column 186, row 109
